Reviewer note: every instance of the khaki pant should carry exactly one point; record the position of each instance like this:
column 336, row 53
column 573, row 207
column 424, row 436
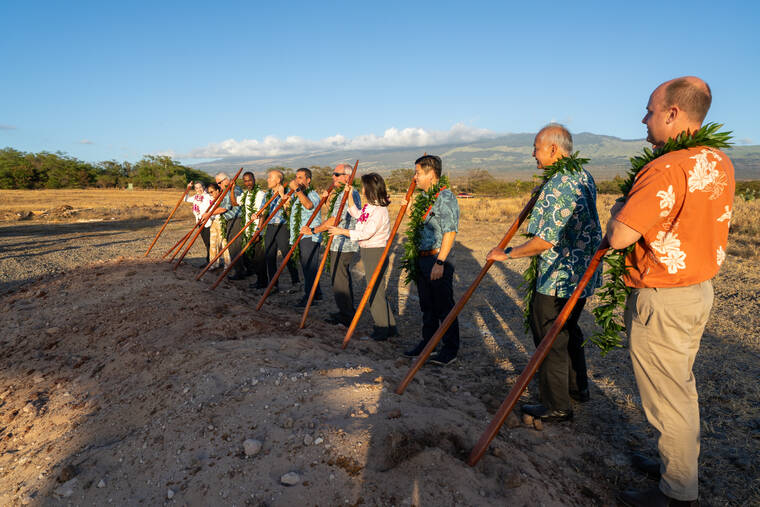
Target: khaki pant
column 216, row 243
column 664, row 328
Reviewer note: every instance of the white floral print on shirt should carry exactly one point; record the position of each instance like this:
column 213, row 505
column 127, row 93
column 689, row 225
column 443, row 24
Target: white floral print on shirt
column 726, row 216
column 721, row 255
column 667, row 200
column 705, row 177
column 668, row 244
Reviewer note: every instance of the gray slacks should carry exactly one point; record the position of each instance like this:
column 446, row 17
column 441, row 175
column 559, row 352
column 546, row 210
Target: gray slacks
column 379, row 307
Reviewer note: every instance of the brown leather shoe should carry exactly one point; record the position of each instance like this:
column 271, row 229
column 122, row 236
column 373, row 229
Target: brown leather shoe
column 646, row 465
column 653, row 498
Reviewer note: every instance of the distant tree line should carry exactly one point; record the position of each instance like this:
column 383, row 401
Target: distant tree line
column 20, row 170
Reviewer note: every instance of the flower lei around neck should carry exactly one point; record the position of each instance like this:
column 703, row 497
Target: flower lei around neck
column 423, row 203
column 250, row 210
column 565, row 165
column 612, row 296
column 295, row 223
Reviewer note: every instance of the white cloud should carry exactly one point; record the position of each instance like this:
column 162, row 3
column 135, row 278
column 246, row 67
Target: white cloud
column 86, row 141
column 7, row 127
column 746, row 140
column 272, row 146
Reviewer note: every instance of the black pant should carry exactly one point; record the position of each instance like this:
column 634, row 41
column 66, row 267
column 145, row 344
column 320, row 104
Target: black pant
column 233, row 227
column 254, row 261
column 436, row 301
column 206, row 237
column 340, row 275
column 309, row 255
column 277, row 238
column 565, row 365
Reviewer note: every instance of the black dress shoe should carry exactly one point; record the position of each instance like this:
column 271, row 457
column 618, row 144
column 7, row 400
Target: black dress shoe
column 235, row 276
column 379, row 334
column 653, row 498
column 646, row 465
column 337, row 318
column 541, row 411
column 443, row 358
column 416, row 351
column 580, row 396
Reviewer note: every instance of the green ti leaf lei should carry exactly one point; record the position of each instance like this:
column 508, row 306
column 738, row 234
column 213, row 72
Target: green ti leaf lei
column 250, row 210
column 612, row 296
column 422, row 203
column 295, row 227
column 564, row 165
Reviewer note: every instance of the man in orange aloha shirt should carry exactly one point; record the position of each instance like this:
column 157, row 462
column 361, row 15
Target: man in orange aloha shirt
column 677, row 214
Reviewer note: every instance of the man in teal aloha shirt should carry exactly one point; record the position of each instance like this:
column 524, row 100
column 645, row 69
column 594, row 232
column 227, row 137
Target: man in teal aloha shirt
column 565, row 233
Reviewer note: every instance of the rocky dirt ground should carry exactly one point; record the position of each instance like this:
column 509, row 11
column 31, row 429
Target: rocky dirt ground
column 124, row 382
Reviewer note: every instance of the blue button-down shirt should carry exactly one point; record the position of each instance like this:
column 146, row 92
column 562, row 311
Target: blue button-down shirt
column 344, row 243
column 443, row 218
column 232, row 211
column 305, row 215
column 565, row 216
column 278, row 217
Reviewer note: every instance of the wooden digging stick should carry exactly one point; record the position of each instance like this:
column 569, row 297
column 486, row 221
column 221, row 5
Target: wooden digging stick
column 254, row 217
column 446, row 324
column 167, row 221
column 535, row 361
column 338, row 216
column 270, row 287
column 202, row 223
column 379, row 268
column 250, row 241
column 182, row 241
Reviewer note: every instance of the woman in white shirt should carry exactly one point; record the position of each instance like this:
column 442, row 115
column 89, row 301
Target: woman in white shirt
column 373, row 227
column 201, row 202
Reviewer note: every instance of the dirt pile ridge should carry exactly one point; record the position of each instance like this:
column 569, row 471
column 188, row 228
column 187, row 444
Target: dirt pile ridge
column 121, row 384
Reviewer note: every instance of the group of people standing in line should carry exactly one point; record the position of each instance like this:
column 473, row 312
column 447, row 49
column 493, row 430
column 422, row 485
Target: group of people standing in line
column 676, row 216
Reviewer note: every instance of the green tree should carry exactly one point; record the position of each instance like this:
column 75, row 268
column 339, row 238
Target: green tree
column 399, row 180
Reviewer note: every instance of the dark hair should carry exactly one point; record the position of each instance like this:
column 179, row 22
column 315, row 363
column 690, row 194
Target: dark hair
column 306, row 171
column 249, row 173
column 691, row 97
column 430, row 163
column 203, row 185
column 374, row 189
column 213, row 186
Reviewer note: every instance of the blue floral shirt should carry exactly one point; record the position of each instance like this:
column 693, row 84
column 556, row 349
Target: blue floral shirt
column 344, row 243
column 565, row 216
column 443, row 218
column 232, row 211
column 305, row 216
column 278, row 217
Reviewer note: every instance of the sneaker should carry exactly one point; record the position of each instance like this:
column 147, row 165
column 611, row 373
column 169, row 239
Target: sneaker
column 416, row 351
column 541, row 411
column 443, row 358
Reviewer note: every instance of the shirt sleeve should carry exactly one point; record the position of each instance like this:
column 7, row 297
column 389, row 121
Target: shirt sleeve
column 554, row 209
column 259, row 199
column 448, row 212
column 368, row 228
column 653, row 196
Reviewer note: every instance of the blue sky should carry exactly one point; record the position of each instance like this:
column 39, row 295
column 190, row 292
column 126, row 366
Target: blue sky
column 107, row 80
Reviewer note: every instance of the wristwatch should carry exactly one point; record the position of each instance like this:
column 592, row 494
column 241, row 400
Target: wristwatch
column 507, row 251
column 439, row 262
column 312, row 230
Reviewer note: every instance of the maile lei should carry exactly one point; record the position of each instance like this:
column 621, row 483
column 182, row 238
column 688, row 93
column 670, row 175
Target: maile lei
column 250, row 210
column 295, row 222
column 614, row 293
column 565, row 165
column 423, row 203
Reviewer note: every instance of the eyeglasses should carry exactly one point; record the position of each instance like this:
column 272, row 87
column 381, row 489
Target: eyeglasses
column 337, row 175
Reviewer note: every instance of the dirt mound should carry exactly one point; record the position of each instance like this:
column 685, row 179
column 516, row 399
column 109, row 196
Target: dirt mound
column 121, row 383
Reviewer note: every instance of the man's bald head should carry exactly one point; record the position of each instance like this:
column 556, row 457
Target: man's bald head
column 690, row 94
column 343, row 169
column 556, row 134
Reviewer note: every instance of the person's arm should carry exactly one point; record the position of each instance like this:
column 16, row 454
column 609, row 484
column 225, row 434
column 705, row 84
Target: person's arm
column 447, row 243
column 329, row 222
column 532, row 247
column 621, row 236
column 233, row 197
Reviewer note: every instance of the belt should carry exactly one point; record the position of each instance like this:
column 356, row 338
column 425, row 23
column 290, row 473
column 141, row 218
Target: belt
column 427, row 253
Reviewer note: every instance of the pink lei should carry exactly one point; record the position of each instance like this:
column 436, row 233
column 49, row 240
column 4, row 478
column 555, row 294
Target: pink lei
column 364, row 215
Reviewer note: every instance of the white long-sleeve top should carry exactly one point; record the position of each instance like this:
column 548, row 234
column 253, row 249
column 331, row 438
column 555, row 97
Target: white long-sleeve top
column 373, row 226
column 201, row 203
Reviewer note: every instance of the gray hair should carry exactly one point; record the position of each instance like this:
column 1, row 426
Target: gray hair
column 223, row 176
column 555, row 133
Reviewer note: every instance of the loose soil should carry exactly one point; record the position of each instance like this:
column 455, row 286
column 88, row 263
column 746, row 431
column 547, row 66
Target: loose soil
column 125, row 382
